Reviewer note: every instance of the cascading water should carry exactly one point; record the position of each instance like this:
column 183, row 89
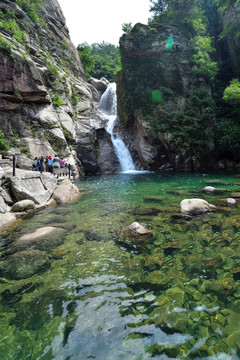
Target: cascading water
column 108, row 105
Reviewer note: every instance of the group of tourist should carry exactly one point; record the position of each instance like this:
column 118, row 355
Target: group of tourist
column 48, row 163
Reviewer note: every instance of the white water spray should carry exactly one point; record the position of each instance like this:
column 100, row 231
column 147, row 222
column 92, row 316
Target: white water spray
column 108, row 105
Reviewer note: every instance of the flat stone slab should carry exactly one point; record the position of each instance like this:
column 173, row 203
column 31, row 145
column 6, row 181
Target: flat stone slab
column 33, row 186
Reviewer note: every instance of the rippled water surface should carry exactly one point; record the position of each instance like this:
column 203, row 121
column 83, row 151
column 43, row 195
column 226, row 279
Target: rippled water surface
column 87, row 293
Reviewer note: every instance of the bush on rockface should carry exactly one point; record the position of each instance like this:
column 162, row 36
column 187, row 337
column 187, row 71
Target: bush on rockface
column 4, row 143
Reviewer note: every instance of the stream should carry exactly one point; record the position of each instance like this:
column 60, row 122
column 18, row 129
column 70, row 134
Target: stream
column 86, row 294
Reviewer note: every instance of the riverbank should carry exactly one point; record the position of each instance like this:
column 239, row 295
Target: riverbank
column 29, row 192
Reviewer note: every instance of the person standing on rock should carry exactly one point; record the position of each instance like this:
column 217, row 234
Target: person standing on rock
column 38, row 165
column 62, row 163
column 56, row 162
column 50, row 164
column 46, row 163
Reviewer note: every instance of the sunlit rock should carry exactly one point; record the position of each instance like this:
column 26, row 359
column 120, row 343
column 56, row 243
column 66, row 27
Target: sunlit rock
column 3, row 205
column 66, row 192
column 136, row 234
column 2, row 174
column 7, row 220
column 39, row 234
column 196, row 207
column 23, row 205
column 33, row 186
column 101, row 85
column 226, row 202
column 212, row 190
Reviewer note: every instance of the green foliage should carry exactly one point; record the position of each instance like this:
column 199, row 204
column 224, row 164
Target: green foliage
column 53, row 69
column 4, row 143
column 86, row 55
column 4, row 45
column 8, row 24
column 57, row 100
column 173, row 10
column 100, row 60
column 227, row 136
column 127, row 27
column 232, row 93
column 191, row 130
column 203, row 65
column 74, row 98
column 30, row 7
column 229, row 29
column 24, row 150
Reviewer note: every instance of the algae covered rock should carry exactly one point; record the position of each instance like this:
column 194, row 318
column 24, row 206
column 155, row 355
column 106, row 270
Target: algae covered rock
column 196, row 206
column 147, row 210
column 176, row 294
column 135, row 235
column 24, row 264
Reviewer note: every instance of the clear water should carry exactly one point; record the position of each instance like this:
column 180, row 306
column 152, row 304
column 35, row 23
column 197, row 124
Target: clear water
column 84, row 294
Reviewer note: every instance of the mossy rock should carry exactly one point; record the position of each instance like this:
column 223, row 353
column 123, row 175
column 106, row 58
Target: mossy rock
column 233, row 340
column 147, row 210
column 153, row 262
column 157, row 279
column 176, row 294
column 24, row 264
column 153, row 199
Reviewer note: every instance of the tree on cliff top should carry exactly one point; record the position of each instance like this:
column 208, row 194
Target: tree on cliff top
column 100, row 60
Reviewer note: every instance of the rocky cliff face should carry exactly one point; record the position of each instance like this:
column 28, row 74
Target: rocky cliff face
column 46, row 104
column 154, row 82
column 231, row 27
column 169, row 109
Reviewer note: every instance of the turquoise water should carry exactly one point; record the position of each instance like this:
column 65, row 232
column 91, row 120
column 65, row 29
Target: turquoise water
column 87, row 293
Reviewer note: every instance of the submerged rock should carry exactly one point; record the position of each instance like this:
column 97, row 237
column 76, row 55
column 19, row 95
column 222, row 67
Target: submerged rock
column 212, row 190
column 148, row 210
column 39, row 234
column 24, row 264
column 196, row 207
column 226, row 202
column 136, row 234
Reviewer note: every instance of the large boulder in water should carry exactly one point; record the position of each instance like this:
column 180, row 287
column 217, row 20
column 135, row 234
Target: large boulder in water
column 66, row 192
column 196, row 206
column 136, row 235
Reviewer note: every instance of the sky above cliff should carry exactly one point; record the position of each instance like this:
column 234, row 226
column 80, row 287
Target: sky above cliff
column 95, row 21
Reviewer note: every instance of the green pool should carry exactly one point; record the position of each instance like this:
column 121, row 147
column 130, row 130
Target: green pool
column 84, row 293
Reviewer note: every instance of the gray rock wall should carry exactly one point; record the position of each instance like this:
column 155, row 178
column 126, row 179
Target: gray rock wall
column 45, row 100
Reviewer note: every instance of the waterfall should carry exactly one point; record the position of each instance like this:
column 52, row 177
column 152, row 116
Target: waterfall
column 108, row 103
